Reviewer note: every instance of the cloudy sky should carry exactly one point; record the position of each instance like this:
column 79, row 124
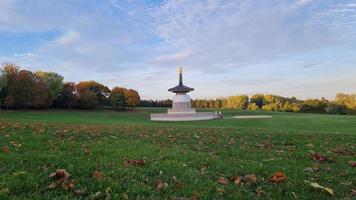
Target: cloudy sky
column 302, row 48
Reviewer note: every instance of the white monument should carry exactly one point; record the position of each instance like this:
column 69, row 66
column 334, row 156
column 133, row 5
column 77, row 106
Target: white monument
column 182, row 107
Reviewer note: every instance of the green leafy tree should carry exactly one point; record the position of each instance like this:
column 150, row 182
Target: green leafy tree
column 88, row 100
column 314, row 105
column 54, row 82
column 101, row 91
column 22, row 90
column 117, row 100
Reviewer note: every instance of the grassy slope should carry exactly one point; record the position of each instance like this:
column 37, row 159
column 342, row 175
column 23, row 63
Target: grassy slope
column 83, row 142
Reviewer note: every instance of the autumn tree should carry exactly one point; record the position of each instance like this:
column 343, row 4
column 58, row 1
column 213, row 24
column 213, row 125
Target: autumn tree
column 239, row 102
column 132, row 98
column 101, row 91
column 53, row 81
column 257, row 99
column 68, row 96
column 348, row 100
column 314, row 105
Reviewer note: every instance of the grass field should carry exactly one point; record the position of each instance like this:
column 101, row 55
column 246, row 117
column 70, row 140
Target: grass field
column 123, row 155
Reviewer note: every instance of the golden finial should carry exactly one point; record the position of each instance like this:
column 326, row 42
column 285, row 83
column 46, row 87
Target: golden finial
column 180, row 69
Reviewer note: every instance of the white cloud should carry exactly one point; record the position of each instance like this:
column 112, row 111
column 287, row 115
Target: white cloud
column 68, row 38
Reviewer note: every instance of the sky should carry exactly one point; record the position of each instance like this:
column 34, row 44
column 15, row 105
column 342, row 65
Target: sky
column 302, row 48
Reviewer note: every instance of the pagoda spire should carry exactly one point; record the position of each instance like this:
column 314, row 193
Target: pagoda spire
column 180, row 75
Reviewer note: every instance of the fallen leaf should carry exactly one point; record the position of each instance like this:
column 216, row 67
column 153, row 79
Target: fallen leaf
column 236, row 180
column 343, row 150
column 60, row 174
column 320, row 158
column 202, row 170
column 5, row 149
column 222, row 181
column 220, row 190
column 353, row 192
column 125, row 196
column 196, row 196
column 160, row 185
column 68, row 184
column 80, row 192
column 352, row 163
column 317, row 186
column 140, row 162
column 98, row 175
column 277, row 177
column 260, row 192
column 250, row 178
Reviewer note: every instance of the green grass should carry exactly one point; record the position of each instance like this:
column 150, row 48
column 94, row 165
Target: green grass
column 83, row 142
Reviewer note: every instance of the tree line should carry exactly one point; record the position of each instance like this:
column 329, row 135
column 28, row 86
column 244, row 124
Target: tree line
column 21, row 88
column 343, row 103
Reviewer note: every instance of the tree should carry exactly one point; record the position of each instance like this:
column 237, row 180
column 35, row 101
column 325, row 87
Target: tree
column 239, row 102
column 117, row 100
column 101, row 91
column 291, row 107
column 88, row 100
column 218, row 103
column 252, row 106
column 54, row 82
column 314, row 105
column 3, row 84
column 257, row 99
column 348, row 100
column 9, row 73
column 271, row 107
column 132, row 98
column 42, row 94
column 22, row 90
column 336, row 108
column 68, row 96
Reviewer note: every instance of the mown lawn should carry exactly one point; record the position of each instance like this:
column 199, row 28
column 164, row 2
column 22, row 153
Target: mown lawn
column 122, row 155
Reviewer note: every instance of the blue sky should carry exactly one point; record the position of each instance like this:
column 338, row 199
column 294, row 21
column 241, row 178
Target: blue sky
column 302, row 48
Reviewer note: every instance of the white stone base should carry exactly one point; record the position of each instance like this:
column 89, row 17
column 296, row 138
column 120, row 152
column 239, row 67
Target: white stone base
column 181, row 111
column 198, row 116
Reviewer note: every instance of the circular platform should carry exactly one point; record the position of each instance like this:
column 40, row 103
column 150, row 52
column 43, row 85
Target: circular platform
column 198, row 116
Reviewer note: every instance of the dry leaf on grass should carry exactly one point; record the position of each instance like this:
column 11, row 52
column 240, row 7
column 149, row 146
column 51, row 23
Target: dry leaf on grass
column 277, row 177
column 222, row 181
column 220, row 190
column 5, row 149
column 68, row 184
column 98, row 175
column 61, row 176
column 352, row 163
column 250, row 178
column 160, row 185
column 317, row 186
column 260, row 192
column 353, row 192
column 140, row 162
column 202, row 169
column 320, row 158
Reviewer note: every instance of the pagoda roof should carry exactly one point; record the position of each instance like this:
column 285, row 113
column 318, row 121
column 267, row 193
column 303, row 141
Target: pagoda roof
column 180, row 87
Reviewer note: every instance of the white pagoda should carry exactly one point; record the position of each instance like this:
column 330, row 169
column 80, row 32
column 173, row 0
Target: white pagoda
column 182, row 107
